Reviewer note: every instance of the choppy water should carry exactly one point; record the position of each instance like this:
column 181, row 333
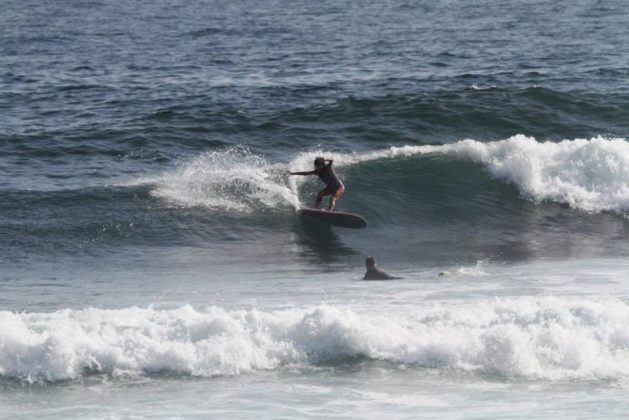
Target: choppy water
column 152, row 262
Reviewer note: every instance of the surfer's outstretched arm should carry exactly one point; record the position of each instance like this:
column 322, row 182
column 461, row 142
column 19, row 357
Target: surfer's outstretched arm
column 302, row 173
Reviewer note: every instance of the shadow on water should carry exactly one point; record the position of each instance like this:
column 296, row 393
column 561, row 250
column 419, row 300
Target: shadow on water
column 320, row 243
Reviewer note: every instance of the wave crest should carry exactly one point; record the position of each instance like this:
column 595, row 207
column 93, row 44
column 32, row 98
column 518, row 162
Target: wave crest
column 591, row 175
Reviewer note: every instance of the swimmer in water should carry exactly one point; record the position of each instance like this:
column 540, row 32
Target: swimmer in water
column 374, row 272
column 333, row 185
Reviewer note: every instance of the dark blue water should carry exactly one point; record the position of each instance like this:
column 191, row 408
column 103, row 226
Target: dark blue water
column 145, row 145
column 100, row 95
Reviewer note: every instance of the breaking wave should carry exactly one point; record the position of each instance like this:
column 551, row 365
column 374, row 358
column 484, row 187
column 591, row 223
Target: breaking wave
column 527, row 338
column 587, row 174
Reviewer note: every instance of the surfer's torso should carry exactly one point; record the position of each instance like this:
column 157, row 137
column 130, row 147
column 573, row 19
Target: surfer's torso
column 329, row 177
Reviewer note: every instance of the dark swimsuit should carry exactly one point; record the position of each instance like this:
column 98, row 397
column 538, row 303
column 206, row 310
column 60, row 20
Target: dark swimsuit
column 329, row 177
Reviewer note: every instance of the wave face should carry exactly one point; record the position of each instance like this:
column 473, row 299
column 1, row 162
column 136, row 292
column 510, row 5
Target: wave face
column 527, row 338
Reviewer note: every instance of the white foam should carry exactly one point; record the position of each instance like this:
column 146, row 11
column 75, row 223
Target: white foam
column 478, row 87
column 531, row 338
column 591, row 175
column 232, row 179
column 237, row 180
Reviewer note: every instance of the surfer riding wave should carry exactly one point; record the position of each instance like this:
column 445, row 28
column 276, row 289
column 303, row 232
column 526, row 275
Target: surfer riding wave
column 333, row 185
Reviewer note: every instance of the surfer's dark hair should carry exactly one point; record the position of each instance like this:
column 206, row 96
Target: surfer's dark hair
column 319, row 161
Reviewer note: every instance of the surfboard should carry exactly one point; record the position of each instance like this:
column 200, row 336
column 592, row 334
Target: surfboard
column 335, row 218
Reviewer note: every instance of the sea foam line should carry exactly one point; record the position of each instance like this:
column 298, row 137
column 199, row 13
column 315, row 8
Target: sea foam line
column 532, row 338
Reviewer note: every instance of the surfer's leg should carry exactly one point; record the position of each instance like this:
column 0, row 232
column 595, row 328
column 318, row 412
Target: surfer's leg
column 320, row 196
column 336, row 195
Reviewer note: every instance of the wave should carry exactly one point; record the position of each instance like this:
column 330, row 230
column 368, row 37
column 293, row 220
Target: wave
column 479, row 107
column 590, row 175
column 527, row 338
column 470, row 111
column 587, row 174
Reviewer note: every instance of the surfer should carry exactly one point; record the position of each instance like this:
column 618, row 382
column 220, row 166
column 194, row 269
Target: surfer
column 333, row 185
column 374, row 272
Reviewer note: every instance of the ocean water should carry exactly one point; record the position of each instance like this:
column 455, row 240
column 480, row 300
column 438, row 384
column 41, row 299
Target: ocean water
column 153, row 264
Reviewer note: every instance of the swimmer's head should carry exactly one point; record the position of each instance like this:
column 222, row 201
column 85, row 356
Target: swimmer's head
column 319, row 162
column 370, row 262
